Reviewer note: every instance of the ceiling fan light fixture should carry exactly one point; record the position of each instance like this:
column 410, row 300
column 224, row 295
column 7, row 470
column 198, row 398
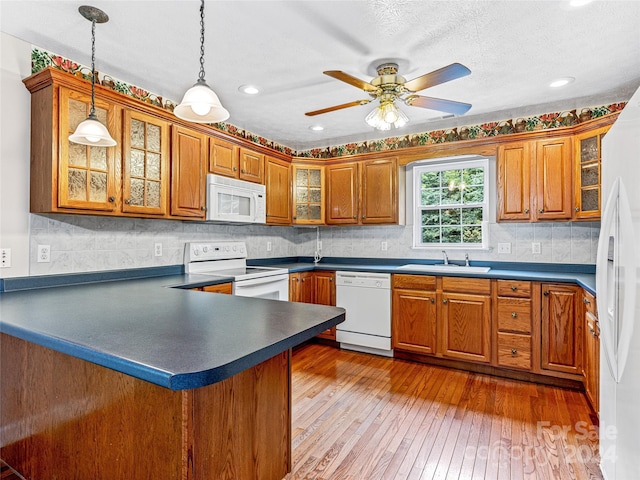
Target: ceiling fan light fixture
column 200, row 103
column 386, row 115
column 91, row 131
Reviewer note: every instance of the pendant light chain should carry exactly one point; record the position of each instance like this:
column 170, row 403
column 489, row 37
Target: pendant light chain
column 201, row 75
column 92, row 112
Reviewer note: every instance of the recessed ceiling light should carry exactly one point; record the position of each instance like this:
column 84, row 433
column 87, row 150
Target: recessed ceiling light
column 579, row 3
column 249, row 89
column 316, row 128
column 561, row 82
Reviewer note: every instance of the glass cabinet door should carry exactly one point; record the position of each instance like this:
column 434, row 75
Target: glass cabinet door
column 86, row 176
column 145, row 173
column 308, row 195
column 588, row 150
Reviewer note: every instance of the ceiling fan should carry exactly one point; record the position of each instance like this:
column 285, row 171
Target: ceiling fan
column 388, row 87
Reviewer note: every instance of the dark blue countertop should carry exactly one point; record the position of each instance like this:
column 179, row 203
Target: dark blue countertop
column 583, row 275
column 176, row 338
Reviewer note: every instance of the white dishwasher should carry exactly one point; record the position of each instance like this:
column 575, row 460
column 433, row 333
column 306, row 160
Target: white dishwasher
column 367, row 299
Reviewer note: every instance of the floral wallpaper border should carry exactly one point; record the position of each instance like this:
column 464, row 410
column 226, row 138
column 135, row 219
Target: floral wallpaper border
column 41, row 59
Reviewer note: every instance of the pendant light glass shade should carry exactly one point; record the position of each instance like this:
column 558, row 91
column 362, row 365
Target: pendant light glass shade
column 200, row 104
column 91, row 131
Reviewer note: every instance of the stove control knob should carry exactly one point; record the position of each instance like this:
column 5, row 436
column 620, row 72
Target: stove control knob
column 196, row 252
column 235, row 248
column 378, row 284
column 205, row 249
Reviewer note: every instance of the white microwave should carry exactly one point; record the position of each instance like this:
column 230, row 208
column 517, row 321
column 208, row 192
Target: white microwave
column 238, row 201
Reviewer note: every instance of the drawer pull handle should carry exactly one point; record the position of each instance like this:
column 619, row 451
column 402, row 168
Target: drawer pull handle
column 587, row 301
column 514, row 314
column 526, row 210
column 514, row 351
column 546, row 294
column 513, row 288
column 444, row 300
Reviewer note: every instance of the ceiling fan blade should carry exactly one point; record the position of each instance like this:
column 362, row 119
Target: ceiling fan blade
column 351, row 80
column 448, row 106
column 445, row 74
column 338, row 107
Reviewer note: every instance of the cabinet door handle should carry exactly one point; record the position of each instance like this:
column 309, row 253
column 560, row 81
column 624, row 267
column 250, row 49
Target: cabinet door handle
column 235, row 169
column 513, row 288
column 541, row 210
column 577, row 209
column 514, row 314
column 432, row 300
column 203, row 208
column 331, row 279
column 243, row 171
column 112, row 199
column 546, row 294
column 514, row 351
column 363, row 217
column 128, row 201
column 303, row 280
column 355, row 217
column 526, row 210
column 586, row 301
column 445, row 301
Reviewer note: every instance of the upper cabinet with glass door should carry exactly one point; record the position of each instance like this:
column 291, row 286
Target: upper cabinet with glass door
column 587, row 158
column 308, row 195
column 145, row 173
column 86, row 175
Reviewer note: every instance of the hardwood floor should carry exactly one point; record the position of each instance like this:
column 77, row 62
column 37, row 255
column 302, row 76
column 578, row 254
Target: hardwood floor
column 364, row 417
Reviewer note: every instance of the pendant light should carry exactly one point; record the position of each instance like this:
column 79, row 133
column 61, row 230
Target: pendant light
column 200, row 104
column 91, row 131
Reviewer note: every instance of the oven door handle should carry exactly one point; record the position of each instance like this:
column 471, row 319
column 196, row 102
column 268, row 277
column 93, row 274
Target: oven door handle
column 262, row 280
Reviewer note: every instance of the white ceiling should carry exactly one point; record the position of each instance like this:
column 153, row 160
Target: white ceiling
column 513, row 48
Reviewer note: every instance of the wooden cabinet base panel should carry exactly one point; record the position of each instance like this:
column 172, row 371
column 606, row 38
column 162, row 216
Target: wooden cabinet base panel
column 64, row 417
column 574, row 382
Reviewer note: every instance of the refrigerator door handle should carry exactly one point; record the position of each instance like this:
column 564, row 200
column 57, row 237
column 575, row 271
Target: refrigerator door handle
column 628, row 283
column 606, row 326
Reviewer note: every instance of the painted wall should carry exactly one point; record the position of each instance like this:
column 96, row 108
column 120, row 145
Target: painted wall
column 89, row 243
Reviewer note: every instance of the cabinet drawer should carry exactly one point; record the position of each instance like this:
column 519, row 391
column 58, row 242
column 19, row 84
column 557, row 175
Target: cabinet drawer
column 514, row 288
column 514, row 350
column 514, row 314
column 466, row 285
column 590, row 303
column 414, row 282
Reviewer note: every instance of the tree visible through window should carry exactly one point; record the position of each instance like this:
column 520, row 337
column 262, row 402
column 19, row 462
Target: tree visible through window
column 450, row 204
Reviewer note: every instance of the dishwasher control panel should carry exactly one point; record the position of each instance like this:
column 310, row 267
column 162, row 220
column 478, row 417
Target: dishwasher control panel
column 363, row 280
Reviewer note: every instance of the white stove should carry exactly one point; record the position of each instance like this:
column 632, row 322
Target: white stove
column 229, row 259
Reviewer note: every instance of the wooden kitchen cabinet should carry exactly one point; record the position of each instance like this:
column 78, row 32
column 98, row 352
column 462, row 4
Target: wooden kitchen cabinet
column 226, row 288
column 514, row 181
column 591, row 368
column 466, row 319
column 75, row 178
column 251, row 166
column 587, row 174
column 188, row 171
column 413, row 317
column 278, row 191
column 535, row 180
column 301, row 287
column 561, row 328
column 224, row 158
column 342, row 194
column 363, row 192
column 325, row 294
column 517, row 324
column 145, row 171
column 308, row 195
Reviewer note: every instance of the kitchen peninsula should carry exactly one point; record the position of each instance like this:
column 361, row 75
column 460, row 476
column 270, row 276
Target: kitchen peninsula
column 133, row 379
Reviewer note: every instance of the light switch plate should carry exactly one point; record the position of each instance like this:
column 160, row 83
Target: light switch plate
column 535, row 248
column 5, row 258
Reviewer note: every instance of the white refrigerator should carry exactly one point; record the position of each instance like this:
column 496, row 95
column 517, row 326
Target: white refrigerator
column 618, row 297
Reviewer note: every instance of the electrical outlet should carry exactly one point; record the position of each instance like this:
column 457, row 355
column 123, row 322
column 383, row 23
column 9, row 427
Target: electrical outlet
column 44, row 253
column 319, row 244
column 5, row 257
column 504, row 247
column 384, row 246
column 268, row 246
column 157, row 249
column 535, row 248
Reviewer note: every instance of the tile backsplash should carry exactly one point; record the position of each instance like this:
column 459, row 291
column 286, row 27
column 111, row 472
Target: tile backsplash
column 91, row 243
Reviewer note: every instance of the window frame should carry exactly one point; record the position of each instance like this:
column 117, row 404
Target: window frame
column 417, row 208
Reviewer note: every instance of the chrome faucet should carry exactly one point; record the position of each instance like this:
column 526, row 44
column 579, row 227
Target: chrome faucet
column 466, row 259
column 446, row 259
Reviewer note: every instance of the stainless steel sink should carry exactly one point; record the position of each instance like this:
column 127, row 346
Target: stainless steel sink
column 442, row 268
